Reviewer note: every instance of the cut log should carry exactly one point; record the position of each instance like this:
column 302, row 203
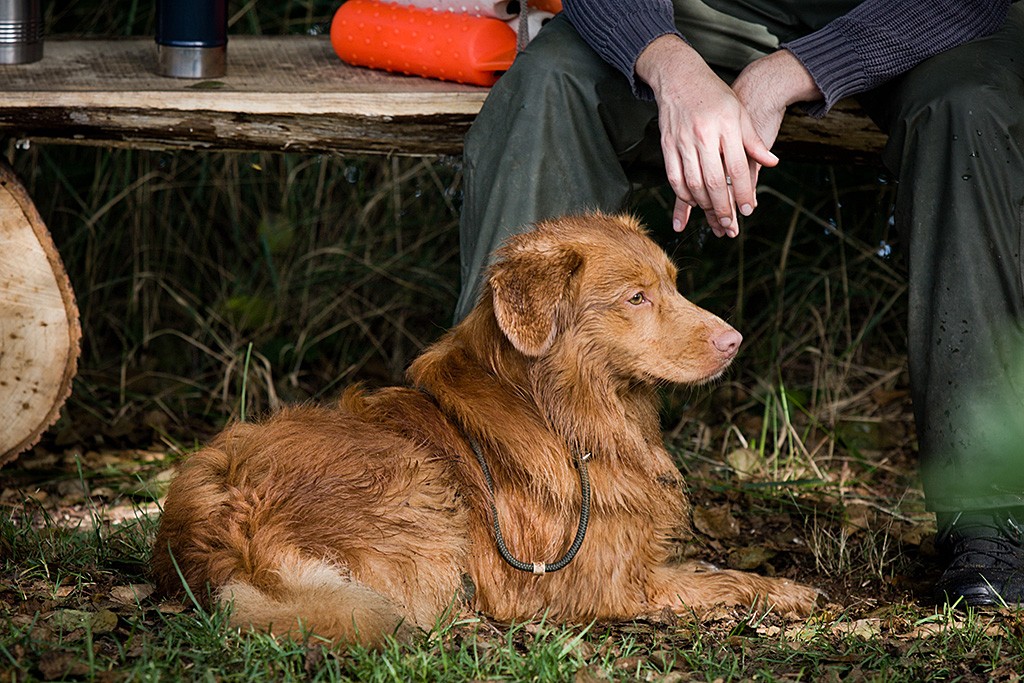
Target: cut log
column 39, row 328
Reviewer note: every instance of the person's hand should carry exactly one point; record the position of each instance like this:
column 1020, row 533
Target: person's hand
column 766, row 88
column 709, row 141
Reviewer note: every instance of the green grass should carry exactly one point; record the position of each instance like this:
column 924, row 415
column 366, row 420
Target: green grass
column 66, row 612
column 214, row 286
column 217, row 286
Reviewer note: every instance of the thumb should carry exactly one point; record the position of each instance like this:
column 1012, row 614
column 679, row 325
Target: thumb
column 755, row 147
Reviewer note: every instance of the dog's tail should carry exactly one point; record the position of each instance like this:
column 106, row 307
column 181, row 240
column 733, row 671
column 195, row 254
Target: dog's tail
column 220, row 529
column 315, row 597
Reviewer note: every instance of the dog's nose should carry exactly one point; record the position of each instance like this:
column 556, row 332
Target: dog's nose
column 728, row 342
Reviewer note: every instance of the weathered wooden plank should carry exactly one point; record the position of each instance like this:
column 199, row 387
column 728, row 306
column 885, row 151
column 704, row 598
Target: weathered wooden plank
column 285, row 94
column 280, row 93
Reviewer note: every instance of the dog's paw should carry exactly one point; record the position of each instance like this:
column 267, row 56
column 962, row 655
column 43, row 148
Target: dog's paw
column 794, row 599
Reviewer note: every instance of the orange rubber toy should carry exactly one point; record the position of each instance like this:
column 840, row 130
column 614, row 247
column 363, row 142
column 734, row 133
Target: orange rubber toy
column 422, row 42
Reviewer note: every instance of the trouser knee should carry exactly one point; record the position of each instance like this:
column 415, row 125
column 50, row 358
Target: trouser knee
column 956, row 126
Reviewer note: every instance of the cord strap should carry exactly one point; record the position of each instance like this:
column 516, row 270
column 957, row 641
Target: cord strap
column 540, row 568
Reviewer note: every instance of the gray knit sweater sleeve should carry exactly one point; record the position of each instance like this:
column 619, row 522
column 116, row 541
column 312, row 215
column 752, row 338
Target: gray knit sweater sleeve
column 619, row 31
column 876, row 41
column 881, row 39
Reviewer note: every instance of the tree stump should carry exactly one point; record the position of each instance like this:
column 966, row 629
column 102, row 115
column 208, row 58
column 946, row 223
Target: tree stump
column 39, row 328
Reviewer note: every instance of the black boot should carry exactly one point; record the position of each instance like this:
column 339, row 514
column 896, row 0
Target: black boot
column 985, row 551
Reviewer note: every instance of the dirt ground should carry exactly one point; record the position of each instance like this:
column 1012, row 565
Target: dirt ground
column 863, row 538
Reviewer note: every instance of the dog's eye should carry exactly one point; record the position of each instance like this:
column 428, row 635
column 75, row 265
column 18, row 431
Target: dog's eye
column 637, row 299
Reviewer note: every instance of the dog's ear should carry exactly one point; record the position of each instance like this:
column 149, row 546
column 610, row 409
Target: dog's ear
column 528, row 283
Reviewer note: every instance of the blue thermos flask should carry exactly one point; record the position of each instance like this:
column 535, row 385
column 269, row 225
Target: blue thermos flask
column 192, row 38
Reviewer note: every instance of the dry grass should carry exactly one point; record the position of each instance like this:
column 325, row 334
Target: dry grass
column 319, row 270
column 210, row 283
column 213, row 285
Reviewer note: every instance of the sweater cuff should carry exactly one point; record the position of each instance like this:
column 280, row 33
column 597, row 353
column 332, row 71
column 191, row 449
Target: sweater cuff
column 621, row 38
column 636, row 32
column 836, row 69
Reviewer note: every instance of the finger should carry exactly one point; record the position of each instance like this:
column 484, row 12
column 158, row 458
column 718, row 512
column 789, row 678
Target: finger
column 684, row 200
column 733, row 228
column 716, row 184
column 722, row 229
column 680, row 214
column 674, row 170
column 693, row 178
column 738, row 169
column 755, row 175
column 713, row 223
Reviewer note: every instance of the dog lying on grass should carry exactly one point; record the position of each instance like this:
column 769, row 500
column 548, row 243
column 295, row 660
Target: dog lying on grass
column 525, row 456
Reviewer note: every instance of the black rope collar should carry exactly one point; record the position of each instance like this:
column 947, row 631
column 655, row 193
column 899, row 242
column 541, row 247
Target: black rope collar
column 540, row 568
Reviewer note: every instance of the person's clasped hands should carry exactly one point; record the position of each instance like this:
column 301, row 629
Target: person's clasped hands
column 715, row 138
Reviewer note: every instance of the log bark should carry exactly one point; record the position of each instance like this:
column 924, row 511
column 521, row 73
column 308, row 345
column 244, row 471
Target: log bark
column 39, row 327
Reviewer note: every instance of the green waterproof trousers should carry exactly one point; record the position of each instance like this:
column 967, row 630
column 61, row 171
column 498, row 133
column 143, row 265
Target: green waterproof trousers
column 562, row 132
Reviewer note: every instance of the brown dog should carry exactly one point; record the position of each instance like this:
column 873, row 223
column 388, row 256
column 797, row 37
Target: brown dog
column 355, row 520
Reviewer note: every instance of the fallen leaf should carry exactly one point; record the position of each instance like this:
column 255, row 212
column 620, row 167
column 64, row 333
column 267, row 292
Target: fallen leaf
column 750, row 557
column 131, row 594
column 103, row 621
column 857, row 517
column 70, row 619
column 583, row 650
column 71, row 491
column 629, row 664
column 62, row 665
column 746, row 463
column 592, row 674
column 105, row 459
column 884, row 397
column 716, row 522
column 673, row 677
column 170, row 607
column 663, row 659
column 155, row 487
column 37, row 459
column 923, row 631
column 861, row 628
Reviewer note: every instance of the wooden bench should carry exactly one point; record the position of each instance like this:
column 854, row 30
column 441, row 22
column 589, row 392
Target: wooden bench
column 284, row 94
column 289, row 94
